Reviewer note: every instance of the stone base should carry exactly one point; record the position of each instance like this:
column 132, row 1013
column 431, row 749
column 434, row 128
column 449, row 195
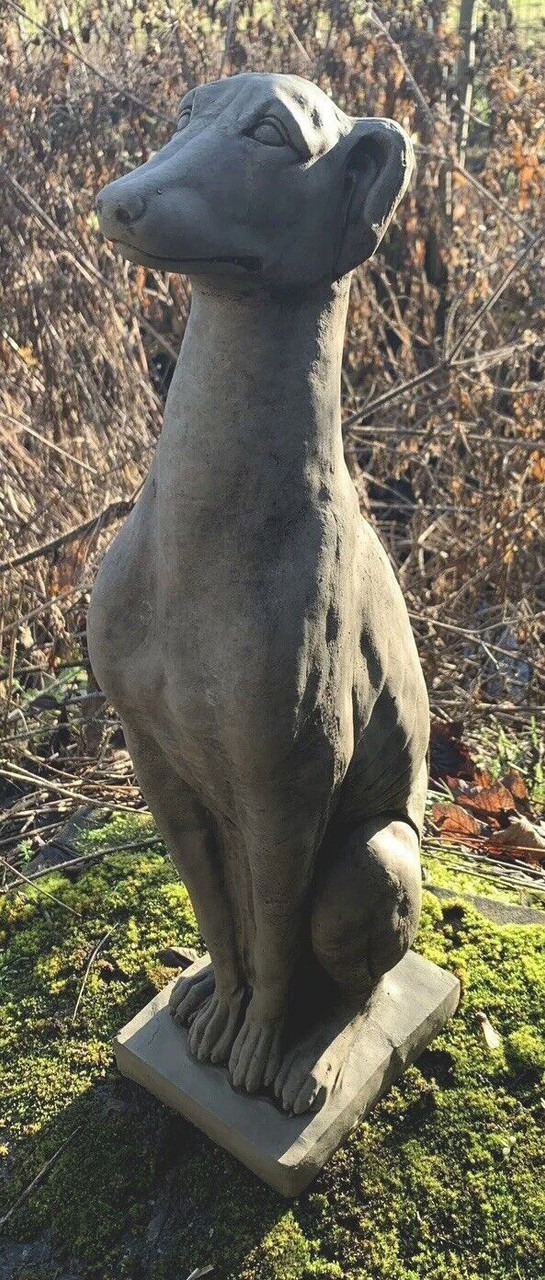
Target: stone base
column 288, row 1151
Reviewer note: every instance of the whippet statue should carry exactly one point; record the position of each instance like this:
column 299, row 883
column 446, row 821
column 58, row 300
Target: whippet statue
column 246, row 622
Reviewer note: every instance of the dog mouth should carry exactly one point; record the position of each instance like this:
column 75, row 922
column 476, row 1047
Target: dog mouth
column 142, row 257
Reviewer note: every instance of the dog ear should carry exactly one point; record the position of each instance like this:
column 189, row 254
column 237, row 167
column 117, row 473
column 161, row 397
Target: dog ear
column 378, row 163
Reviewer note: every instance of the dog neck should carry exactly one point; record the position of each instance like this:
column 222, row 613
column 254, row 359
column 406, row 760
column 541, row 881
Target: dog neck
column 254, row 404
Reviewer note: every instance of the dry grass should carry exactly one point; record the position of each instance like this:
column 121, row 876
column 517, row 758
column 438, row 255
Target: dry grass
column 444, row 368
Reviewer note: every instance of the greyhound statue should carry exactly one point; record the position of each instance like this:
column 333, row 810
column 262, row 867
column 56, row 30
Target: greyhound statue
column 246, row 622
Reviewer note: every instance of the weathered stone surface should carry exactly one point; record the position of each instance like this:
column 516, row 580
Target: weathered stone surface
column 288, row 1151
column 246, row 623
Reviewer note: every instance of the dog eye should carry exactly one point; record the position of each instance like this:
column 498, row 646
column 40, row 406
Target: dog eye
column 183, row 119
column 270, row 132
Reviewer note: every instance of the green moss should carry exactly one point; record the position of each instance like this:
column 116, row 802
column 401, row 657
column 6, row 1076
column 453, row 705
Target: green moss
column 286, row 1254
column 526, row 1048
column 443, row 1182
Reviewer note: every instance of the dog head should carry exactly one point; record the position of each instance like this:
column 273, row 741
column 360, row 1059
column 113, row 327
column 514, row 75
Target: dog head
column 264, row 178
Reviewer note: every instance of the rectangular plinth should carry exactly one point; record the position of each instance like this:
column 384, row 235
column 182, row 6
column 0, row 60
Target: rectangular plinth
column 288, row 1151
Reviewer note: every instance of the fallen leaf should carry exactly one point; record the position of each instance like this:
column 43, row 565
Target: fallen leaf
column 490, row 1034
column 177, row 957
column 495, row 801
column 521, row 835
column 452, row 819
column 459, row 786
column 483, row 779
column 516, row 785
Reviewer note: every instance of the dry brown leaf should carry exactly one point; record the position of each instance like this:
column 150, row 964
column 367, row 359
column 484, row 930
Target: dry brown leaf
column 516, row 785
column 452, row 819
column 521, row 835
column 495, row 801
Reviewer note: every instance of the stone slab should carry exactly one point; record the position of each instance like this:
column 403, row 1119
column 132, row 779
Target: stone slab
column 288, row 1151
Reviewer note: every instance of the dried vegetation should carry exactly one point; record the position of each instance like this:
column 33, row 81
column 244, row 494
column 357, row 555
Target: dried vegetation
column 444, row 373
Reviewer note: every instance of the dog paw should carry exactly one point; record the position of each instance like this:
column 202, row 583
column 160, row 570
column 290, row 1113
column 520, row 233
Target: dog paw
column 215, row 1027
column 303, row 1083
column 189, row 994
column 256, row 1054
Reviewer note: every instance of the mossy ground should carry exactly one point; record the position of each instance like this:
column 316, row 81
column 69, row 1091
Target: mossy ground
column 443, row 1182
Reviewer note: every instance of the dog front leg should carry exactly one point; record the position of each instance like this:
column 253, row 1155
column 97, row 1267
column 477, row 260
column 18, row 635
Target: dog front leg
column 281, row 868
column 212, row 1004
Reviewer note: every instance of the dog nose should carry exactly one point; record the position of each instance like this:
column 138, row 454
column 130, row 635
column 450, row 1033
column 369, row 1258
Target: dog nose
column 127, row 211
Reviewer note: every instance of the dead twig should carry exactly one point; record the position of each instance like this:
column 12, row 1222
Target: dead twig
column 82, row 859
column 300, row 46
column 426, row 110
column 96, row 951
column 39, row 1176
column 57, row 448
column 228, row 34
column 449, row 362
column 457, row 860
column 74, row 249
column 40, row 888
column 74, row 53
column 100, row 521
column 491, row 301
column 16, row 774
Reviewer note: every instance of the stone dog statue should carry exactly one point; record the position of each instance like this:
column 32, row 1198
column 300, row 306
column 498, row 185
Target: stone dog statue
column 246, row 622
